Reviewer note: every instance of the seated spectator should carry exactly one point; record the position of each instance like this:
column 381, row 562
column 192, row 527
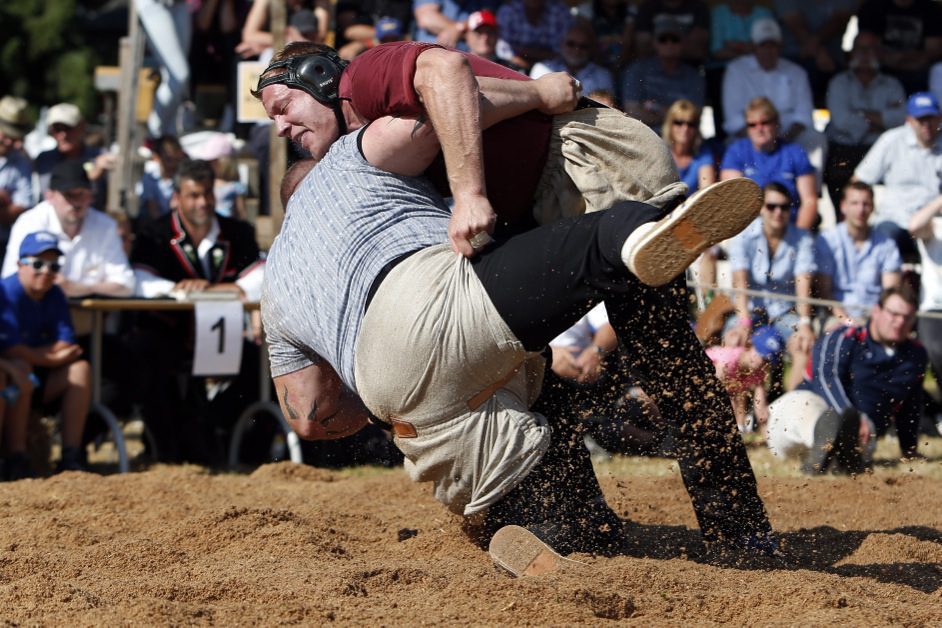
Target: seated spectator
column 157, row 182
column 863, row 379
column 94, row 261
column 67, row 126
column 16, row 171
column 730, row 38
column 586, row 376
column 230, row 192
column 813, row 33
column 257, row 37
column 575, row 58
column 743, row 371
column 385, row 30
column 772, row 255
column 532, row 30
column 907, row 160
column 445, row 21
column 481, row 38
column 610, row 21
column 765, row 156
column 910, row 33
column 926, row 227
column 681, row 130
column 784, row 83
column 863, row 103
column 693, row 15
column 44, row 339
column 855, row 262
column 651, row 84
column 193, row 249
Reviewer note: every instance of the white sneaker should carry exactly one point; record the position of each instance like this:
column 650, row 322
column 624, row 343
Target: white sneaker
column 522, row 553
column 658, row 252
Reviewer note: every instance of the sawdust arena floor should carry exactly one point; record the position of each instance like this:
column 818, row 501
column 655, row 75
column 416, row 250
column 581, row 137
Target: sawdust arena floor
column 290, row 544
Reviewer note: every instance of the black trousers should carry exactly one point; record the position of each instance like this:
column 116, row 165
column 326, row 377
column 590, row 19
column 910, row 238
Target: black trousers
column 543, row 281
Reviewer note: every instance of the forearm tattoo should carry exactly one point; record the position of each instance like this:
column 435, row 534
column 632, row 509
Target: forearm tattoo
column 292, row 413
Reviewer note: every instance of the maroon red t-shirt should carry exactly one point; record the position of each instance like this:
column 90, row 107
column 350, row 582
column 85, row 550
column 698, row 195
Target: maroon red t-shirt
column 379, row 83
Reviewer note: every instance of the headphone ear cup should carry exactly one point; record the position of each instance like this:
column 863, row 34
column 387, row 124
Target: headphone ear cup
column 319, row 75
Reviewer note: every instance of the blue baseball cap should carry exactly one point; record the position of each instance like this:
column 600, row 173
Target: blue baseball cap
column 768, row 343
column 38, row 243
column 922, row 104
column 388, row 27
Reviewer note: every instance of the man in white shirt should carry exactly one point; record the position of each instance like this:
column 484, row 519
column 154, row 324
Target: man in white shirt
column 765, row 73
column 95, row 262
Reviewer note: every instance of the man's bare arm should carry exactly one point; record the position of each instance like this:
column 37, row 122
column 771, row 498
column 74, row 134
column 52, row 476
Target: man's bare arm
column 316, row 404
column 447, row 87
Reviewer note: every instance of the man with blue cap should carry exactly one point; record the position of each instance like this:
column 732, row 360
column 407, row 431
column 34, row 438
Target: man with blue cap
column 43, row 337
column 907, row 161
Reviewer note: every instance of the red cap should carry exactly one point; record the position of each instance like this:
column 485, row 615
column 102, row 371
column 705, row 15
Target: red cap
column 481, row 18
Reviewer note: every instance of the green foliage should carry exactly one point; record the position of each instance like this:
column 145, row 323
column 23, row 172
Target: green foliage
column 45, row 54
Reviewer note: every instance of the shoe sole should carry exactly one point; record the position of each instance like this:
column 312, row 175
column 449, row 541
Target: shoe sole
column 709, row 217
column 522, row 553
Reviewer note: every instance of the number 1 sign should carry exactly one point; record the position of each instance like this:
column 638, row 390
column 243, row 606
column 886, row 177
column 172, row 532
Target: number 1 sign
column 218, row 337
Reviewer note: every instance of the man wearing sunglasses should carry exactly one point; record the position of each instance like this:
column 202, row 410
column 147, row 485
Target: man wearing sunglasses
column 95, row 262
column 44, row 338
column 575, row 58
column 650, row 85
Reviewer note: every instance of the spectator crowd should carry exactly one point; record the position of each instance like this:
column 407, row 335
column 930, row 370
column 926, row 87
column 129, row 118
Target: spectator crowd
column 811, row 379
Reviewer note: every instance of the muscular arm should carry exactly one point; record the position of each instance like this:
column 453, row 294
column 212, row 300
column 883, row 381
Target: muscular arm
column 408, row 145
column 447, row 87
column 808, row 197
column 316, row 404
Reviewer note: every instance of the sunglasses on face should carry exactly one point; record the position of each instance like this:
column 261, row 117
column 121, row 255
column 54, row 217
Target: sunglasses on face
column 40, row 264
column 688, row 123
column 60, row 128
column 780, row 206
column 756, row 123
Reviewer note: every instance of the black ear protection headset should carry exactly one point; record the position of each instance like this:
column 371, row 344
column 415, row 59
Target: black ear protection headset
column 317, row 73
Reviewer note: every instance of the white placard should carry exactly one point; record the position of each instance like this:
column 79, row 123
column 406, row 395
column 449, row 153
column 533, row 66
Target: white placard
column 218, row 337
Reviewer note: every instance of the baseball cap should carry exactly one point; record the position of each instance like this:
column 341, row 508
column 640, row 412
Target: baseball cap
column 668, row 25
column 481, row 18
column 768, row 343
column 14, row 118
column 388, row 28
column 765, row 29
column 922, row 104
column 39, row 242
column 69, row 175
column 304, row 21
column 64, row 113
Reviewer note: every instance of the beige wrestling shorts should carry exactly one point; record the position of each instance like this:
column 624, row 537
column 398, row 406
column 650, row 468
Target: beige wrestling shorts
column 598, row 157
column 435, row 358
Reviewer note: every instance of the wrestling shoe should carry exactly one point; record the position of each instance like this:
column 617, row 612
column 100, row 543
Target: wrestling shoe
column 523, row 553
column 660, row 251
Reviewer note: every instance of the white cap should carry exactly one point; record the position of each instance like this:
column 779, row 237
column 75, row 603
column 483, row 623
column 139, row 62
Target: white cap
column 765, row 29
column 64, row 113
